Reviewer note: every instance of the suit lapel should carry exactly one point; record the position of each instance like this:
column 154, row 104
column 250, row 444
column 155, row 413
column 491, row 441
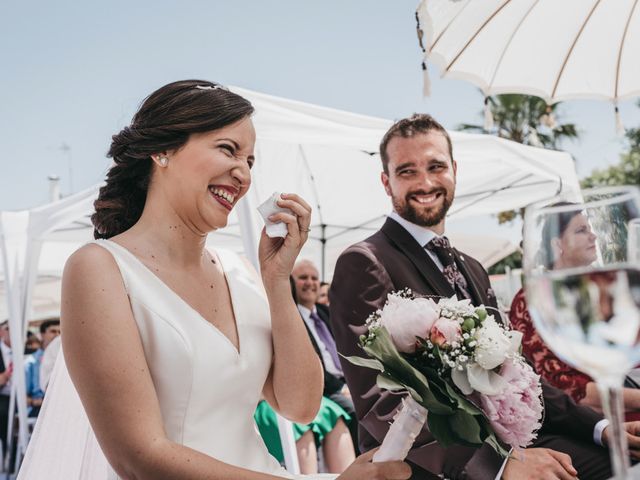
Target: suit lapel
column 421, row 259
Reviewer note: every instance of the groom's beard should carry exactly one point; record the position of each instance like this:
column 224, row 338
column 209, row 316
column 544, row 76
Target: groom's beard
column 423, row 217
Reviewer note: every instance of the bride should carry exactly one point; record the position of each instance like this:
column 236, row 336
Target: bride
column 170, row 347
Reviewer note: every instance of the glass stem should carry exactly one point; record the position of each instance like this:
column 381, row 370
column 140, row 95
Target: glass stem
column 613, row 406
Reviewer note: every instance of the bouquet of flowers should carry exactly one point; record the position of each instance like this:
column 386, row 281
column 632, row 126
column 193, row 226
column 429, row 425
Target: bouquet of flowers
column 460, row 364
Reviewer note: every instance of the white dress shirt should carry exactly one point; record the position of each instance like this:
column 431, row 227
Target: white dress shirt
column 327, row 359
column 424, row 235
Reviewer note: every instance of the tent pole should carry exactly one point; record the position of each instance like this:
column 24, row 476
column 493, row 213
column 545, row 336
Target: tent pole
column 323, row 251
column 247, row 232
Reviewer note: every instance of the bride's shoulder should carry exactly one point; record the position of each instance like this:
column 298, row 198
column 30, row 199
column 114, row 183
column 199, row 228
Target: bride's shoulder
column 90, row 267
column 92, row 287
column 90, row 255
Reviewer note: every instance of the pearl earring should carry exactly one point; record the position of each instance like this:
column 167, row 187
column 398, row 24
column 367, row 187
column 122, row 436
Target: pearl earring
column 163, row 161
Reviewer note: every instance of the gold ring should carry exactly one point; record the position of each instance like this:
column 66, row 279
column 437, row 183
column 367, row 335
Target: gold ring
column 307, row 230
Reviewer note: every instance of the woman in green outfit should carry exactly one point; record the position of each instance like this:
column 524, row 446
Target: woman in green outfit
column 328, row 431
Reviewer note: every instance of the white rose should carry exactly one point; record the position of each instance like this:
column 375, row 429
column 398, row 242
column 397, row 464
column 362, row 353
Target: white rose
column 406, row 319
column 494, row 344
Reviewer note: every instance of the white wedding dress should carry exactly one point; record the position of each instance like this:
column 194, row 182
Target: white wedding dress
column 207, row 389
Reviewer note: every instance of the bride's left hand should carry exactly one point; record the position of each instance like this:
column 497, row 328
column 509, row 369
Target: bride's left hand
column 278, row 255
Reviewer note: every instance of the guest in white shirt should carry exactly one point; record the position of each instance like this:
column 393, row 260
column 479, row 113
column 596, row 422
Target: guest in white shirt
column 306, row 285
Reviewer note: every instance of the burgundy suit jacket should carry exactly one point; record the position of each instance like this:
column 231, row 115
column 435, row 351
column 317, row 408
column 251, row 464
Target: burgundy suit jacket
column 365, row 274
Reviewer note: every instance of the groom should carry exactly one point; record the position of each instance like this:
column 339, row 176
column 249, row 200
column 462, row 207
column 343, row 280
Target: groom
column 410, row 250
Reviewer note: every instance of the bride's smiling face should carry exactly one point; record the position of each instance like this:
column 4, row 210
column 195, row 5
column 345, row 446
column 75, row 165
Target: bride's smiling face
column 206, row 177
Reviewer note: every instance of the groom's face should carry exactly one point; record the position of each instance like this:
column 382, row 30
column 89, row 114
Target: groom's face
column 422, row 178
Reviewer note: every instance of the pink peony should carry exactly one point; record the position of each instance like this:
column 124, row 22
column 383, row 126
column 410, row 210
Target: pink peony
column 405, row 319
column 445, row 331
column 516, row 413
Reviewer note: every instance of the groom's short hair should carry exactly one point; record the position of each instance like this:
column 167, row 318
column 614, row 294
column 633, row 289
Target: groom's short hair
column 408, row 127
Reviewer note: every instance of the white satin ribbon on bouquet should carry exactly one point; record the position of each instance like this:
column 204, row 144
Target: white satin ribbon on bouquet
column 403, row 432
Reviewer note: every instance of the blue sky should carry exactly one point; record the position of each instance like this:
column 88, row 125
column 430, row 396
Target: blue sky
column 72, row 73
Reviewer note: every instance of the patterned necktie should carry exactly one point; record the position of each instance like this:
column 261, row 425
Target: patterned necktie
column 442, row 248
column 325, row 337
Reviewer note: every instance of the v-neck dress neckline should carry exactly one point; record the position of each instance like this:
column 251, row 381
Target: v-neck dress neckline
column 195, row 313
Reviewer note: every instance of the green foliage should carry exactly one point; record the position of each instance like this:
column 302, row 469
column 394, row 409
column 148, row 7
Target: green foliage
column 365, row 362
column 440, row 428
column 512, row 261
column 633, row 135
column 626, row 172
column 466, row 427
column 509, row 216
column 525, row 119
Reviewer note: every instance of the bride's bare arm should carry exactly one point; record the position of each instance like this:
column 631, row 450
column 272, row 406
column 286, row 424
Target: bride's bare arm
column 295, row 383
column 106, row 361
column 294, row 386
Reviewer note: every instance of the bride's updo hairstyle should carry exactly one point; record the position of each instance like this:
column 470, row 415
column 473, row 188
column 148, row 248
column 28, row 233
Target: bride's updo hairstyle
column 163, row 123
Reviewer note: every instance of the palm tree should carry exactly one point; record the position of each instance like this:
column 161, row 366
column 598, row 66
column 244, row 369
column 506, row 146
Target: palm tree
column 526, row 119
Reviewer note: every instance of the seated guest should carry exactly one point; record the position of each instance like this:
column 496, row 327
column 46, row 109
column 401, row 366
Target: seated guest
column 49, row 329
column 33, row 343
column 306, row 287
column 323, row 295
column 569, row 243
column 327, row 431
column 6, row 371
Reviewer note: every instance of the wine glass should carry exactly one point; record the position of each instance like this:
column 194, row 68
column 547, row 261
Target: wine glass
column 583, row 292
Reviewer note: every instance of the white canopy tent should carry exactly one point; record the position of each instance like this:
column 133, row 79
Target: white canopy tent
column 329, row 157
column 22, row 235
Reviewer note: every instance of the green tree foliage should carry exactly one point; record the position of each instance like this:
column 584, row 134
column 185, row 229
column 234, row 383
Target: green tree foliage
column 512, row 261
column 625, row 172
column 528, row 120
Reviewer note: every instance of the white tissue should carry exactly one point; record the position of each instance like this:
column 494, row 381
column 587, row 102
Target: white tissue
column 403, row 432
column 268, row 208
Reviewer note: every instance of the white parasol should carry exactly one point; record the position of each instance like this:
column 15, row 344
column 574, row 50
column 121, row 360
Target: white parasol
column 556, row 50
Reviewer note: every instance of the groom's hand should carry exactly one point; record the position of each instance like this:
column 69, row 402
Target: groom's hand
column 633, row 438
column 539, row 464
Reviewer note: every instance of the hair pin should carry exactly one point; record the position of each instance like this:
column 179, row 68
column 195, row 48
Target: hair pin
column 211, row 87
